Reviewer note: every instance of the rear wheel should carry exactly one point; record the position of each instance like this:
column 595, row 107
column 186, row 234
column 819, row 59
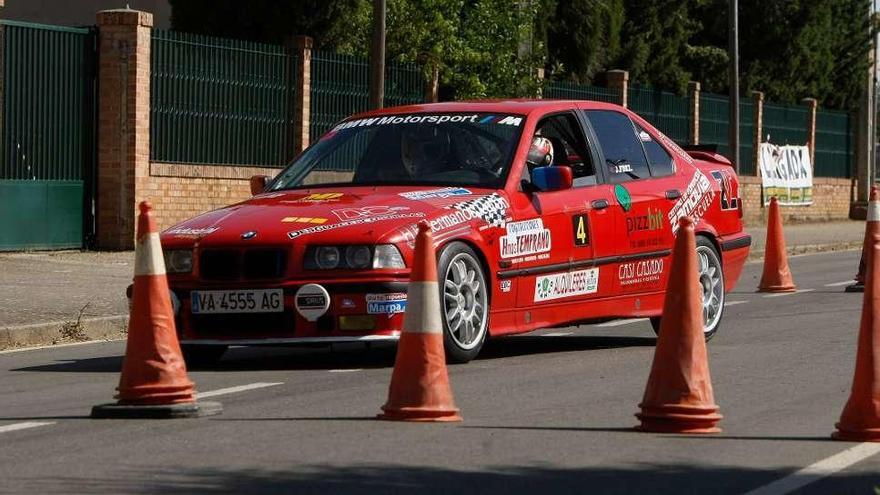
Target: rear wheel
column 712, row 286
column 202, row 356
column 465, row 302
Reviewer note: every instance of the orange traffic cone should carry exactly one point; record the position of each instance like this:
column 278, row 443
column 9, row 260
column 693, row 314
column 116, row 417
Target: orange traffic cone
column 777, row 275
column 870, row 226
column 678, row 397
column 860, row 419
column 154, row 383
column 419, row 389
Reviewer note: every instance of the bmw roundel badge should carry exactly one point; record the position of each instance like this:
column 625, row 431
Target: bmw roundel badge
column 249, row 235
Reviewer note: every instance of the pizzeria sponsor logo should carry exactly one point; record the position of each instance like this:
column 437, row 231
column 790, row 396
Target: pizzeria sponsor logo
column 431, row 119
column 694, row 202
column 349, row 223
column 304, row 220
column 368, row 211
column 386, row 304
column 525, row 238
column 321, row 197
column 640, row 272
column 443, row 193
column 191, row 232
column 566, row 284
column 652, row 220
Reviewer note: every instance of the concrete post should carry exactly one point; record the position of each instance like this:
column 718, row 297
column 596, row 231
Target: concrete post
column 432, row 85
column 758, row 124
column 123, row 123
column 618, row 80
column 812, row 105
column 694, row 97
column 303, row 94
column 2, row 86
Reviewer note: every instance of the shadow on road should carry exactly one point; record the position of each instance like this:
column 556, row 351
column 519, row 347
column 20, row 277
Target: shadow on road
column 357, row 356
column 378, row 478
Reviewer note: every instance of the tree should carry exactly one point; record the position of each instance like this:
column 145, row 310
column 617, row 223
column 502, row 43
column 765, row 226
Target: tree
column 583, row 36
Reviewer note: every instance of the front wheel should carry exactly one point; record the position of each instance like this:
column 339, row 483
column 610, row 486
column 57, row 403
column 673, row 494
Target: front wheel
column 712, row 287
column 465, row 302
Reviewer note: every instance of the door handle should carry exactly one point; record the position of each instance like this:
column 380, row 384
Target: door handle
column 673, row 194
column 599, row 204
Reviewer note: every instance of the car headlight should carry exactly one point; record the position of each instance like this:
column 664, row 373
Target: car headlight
column 355, row 257
column 178, row 260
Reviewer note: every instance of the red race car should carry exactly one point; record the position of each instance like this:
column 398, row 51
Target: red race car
column 544, row 214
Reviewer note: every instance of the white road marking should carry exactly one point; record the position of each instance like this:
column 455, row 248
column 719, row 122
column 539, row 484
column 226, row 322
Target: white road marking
column 24, row 426
column 345, row 370
column 617, row 323
column 838, row 284
column 819, row 470
column 781, row 294
column 557, row 334
column 240, row 388
column 733, row 303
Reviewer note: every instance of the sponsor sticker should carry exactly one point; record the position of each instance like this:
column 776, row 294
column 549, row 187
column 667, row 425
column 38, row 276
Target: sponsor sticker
column 491, row 209
column 676, row 148
column 729, row 189
column 622, row 168
column 566, row 284
column 348, row 223
column 368, row 211
column 505, row 285
column 623, row 197
column 304, row 220
column 431, row 119
column 390, row 304
column 347, row 303
column 190, row 232
column 581, row 230
column 319, row 197
column 443, row 193
column 644, row 136
column 650, row 221
column 694, row 202
column 644, row 272
column 525, row 238
column 312, row 301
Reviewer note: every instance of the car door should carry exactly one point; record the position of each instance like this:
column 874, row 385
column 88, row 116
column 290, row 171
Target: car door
column 643, row 201
column 576, row 218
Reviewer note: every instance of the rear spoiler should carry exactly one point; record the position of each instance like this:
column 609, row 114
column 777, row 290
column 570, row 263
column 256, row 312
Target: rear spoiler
column 706, row 152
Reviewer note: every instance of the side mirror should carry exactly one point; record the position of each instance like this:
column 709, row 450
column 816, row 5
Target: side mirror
column 258, row 184
column 552, row 178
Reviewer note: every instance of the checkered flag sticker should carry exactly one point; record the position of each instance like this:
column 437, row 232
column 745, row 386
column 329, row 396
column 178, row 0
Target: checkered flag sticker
column 492, row 209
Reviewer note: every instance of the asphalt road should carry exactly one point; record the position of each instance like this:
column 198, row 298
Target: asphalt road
column 542, row 413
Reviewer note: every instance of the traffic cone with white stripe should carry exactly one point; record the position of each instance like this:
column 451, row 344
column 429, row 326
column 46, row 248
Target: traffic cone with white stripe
column 860, row 419
column 870, row 226
column 419, row 389
column 678, row 397
column 776, row 276
column 154, row 382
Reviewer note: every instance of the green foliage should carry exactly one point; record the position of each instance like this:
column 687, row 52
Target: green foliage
column 583, row 36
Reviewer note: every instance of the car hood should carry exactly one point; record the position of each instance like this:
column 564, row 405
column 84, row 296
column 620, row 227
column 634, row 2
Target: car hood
column 363, row 215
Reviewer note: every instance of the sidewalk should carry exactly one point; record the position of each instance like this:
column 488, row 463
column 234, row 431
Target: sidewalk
column 56, row 297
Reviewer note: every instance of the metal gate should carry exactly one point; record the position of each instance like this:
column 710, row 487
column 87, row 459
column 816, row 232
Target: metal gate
column 47, row 152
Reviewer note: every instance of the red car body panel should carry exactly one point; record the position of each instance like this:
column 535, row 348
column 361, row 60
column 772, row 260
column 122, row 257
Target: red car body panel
column 630, row 247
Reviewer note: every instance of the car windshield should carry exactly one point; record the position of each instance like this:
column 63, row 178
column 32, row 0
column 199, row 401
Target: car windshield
column 467, row 149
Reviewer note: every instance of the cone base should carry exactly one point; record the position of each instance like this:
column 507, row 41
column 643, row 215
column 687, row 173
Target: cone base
column 855, row 287
column 856, row 435
column 679, row 419
column 777, row 288
column 157, row 395
column 419, row 414
column 164, row 411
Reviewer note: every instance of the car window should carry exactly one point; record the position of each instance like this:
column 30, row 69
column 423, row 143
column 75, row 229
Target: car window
column 569, row 147
column 624, row 156
column 659, row 160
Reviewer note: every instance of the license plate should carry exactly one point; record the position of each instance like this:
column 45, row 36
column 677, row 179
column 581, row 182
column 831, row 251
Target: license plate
column 237, row 301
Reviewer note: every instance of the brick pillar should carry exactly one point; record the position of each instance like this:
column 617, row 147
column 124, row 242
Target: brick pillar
column 694, row 97
column 812, row 105
column 123, row 123
column 432, row 85
column 618, row 80
column 302, row 49
column 758, row 123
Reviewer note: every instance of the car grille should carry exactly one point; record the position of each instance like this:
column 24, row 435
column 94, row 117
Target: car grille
column 236, row 264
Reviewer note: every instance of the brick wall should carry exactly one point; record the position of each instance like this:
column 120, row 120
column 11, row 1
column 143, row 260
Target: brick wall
column 831, row 201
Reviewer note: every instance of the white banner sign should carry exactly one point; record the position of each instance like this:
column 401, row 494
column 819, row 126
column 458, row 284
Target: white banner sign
column 787, row 174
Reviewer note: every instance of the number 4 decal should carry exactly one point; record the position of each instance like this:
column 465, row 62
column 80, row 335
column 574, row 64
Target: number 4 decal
column 581, row 228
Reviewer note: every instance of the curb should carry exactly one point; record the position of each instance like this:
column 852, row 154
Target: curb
column 59, row 332
column 811, row 249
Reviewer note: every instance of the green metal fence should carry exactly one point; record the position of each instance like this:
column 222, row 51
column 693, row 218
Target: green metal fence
column 563, row 90
column 784, row 124
column 715, row 123
column 666, row 111
column 219, row 101
column 47, row 149
column 834, row 144
column 341, row 86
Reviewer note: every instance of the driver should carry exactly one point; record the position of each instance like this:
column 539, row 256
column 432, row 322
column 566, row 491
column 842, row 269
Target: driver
column 540, row 153
column 424, row 149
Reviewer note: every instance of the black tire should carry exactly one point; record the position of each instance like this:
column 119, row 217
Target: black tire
column 202, row 356
column 705, row 245
column 456, row 351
